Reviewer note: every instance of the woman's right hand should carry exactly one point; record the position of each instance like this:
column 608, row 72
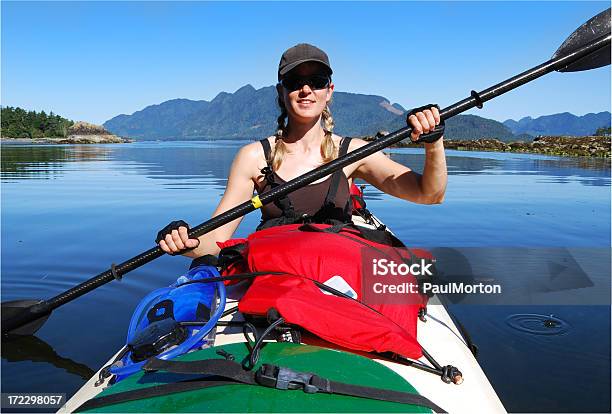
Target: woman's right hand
column 174, row 239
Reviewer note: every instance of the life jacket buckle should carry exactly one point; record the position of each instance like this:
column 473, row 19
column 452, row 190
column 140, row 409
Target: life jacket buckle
column 282, row 378
column 268, row 175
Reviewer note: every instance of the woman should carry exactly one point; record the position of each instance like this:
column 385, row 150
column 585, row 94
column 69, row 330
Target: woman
column 303, row 142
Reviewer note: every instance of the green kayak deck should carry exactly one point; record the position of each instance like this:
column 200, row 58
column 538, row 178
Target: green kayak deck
column 331, row 364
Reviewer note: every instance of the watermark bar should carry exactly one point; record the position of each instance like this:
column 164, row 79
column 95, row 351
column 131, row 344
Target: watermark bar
column 486, row 276
column 32, row 400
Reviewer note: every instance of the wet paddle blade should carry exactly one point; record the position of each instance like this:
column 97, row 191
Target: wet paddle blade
column 15, row 308
column 595, row 28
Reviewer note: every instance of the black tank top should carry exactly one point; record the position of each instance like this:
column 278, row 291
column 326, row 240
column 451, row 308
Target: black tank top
column 325, row 202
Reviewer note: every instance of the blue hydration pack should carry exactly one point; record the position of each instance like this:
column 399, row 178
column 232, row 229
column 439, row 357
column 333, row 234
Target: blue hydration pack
column 172, row 321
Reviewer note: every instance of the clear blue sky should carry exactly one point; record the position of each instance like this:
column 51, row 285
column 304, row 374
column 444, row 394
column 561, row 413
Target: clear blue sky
column 94, row 60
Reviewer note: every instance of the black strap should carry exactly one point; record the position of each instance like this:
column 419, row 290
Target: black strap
column 335, row 181
column 378, row 236
column 206, row 260
column 344, row 146
column 383, row 395
column 285, row 378
column 217, row 367
column 283, row 203
column 267, row 150
column 267, row 375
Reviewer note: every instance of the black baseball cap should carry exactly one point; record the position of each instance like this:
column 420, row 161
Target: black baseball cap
column 299, row 54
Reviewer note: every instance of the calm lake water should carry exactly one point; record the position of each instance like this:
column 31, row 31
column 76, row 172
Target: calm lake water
column 539, row 225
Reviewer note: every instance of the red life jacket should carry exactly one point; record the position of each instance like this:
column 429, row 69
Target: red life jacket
column 311, row 254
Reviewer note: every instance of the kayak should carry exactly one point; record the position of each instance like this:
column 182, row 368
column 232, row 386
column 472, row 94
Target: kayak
column 304, row 375
column 210, row 377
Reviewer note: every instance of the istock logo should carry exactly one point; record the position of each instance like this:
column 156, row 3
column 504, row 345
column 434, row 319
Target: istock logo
column 392, row 275
column 384, row 267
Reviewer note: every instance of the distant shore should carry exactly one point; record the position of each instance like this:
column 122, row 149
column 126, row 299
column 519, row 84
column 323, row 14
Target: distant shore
column 590, row 146
column 78, row 133
column 72, row 139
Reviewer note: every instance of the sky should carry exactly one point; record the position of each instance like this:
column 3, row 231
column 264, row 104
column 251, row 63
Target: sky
column 92, row 61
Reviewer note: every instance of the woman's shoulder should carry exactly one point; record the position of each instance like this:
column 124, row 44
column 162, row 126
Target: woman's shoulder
column 253, row 150
column 250, row 158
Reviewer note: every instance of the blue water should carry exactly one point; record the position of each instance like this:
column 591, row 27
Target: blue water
column 68, row 212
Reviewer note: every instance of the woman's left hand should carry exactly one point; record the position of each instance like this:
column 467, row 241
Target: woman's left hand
column 423, row 122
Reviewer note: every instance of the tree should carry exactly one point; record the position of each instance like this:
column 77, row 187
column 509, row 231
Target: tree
column 18, row 123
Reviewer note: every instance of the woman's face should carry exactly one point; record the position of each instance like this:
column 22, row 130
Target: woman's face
column 307, row 102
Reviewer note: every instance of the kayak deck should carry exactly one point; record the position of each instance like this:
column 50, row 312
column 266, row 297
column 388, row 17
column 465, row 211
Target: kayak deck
column 438, row 335
column 327, row 363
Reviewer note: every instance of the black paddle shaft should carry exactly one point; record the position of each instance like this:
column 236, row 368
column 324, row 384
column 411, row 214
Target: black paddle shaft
column 475, row 100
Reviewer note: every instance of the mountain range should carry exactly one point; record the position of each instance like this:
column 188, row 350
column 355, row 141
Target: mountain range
column 252, row 113
column 560, row 124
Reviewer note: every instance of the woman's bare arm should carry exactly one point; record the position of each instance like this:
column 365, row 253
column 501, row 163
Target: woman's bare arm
column 400, row 181
column 240, row 186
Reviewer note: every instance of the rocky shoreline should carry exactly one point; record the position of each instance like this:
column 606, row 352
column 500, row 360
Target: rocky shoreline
column 79, row 133
column 590, row 146
column 72, row 139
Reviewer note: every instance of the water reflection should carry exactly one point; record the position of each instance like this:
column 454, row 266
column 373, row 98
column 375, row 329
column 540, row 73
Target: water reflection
column 194, row 166
column 192, row 162
column 32, row 348
column 586, row 171
column 45, row 161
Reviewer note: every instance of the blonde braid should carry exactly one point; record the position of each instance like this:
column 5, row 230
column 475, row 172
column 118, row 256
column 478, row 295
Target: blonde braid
column 279, row 150
column 328, row 148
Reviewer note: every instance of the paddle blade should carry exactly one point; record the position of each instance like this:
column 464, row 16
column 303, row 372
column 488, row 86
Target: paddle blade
column 595, row 28
column 17, row 308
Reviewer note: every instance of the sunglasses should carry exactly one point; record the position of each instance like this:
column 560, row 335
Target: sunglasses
column 293, row 83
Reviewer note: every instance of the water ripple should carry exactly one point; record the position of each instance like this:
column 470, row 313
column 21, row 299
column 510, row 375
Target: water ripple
column 536, row 324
